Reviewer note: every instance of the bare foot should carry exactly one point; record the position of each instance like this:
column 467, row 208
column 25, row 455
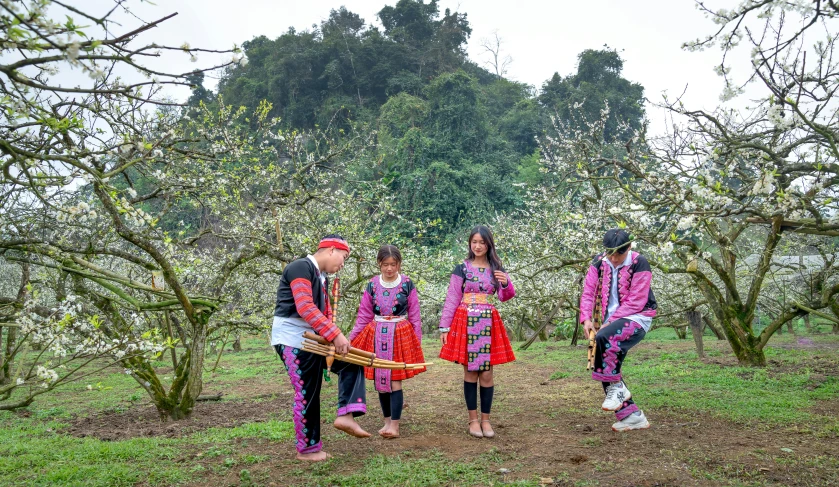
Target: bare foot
column 348, row 425
column 392, row 430
column 486, row 428
column 385, row 427
column 317, row 456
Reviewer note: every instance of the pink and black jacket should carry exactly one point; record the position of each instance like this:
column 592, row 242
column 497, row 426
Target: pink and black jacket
column 634, row 292
column 381, row 301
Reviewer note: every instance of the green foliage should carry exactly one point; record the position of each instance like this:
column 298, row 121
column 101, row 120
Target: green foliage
column 346, row 70
column 450, row 133
column 579, row 98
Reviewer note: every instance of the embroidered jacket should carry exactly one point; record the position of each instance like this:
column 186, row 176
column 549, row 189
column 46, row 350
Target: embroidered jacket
column 302, row 295
column 467, row 279
column 401, row 300
column 635, row 296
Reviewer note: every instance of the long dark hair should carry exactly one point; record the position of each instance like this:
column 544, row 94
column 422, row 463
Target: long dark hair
column 388, row 251
column 492, row 256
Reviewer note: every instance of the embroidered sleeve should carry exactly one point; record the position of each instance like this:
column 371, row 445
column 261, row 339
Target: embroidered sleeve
column 365, row 312
column 301, row 289
column 453, row 297
column 636, row 288
column 506, row 293
column 414, row 312
column 589, row 291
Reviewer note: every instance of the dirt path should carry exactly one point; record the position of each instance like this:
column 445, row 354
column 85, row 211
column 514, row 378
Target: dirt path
column 547, row 429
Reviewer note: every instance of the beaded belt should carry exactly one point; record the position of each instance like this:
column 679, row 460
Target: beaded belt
column 389, row 319
column 475, row 298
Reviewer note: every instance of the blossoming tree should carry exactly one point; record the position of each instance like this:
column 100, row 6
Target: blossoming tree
column 720, row 193
column 140, row 233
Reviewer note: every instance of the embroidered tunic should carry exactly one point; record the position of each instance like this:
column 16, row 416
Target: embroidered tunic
column 471, row 287
column 389, row 310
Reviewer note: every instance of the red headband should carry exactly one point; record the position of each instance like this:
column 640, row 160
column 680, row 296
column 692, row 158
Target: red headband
column 334, row 242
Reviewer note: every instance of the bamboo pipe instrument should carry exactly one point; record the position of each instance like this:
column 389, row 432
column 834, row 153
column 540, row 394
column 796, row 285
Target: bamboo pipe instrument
column 323, row 341
column 327, row 352
column 367, row 358
column 597, row 318
column 336, row 290
column 324, row 349
column 359, row 361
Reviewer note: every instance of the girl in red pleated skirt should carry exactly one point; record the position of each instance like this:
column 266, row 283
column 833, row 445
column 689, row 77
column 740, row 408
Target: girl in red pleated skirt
column 389, row 325
column 471, row 330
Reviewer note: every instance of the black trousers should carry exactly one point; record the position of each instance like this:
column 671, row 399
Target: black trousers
column 305, row 370
column 613, row 342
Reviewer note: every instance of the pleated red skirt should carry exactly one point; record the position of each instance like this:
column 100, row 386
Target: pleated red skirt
column 406, row 348
column 501, row 351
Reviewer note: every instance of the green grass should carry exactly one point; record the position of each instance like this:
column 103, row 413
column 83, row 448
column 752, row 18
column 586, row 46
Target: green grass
column 664, row 373
column 269, row 430
column 433, row 470
column 675, row 380
column 31, row 453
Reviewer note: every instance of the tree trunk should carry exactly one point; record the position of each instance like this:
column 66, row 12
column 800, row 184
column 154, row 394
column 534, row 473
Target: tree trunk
column 807, row 325
column 748, row 352
column 237, row 344
column 681, row 332
column 6, row 357
column 187, row 380
column 746, row 347
column 576, row 329
column 4, row 377
column 540, row 333
column 713, row 327
column 694, row 319
column 751, row 356
column 11, row 343
column 196, row 365
column 790, row 328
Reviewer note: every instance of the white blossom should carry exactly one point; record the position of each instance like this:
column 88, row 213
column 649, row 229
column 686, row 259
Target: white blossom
column 764, row 185
column 686, row 223
column 73, row 51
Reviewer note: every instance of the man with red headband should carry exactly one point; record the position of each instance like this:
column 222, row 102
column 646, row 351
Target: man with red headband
column 303, row 305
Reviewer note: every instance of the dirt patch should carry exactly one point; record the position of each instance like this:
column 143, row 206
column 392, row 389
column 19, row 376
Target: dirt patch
column 552, row 430
column 826, row 407
column 805, row 343
column 145, row 421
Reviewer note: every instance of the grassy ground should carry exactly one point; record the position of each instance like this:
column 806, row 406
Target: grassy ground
column 714, row 423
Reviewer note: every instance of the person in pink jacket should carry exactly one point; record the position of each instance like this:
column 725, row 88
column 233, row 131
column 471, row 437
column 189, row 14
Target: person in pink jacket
column 628, row 307
column 389, row 325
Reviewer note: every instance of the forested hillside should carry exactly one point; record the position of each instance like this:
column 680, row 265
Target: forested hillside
column 455, row 141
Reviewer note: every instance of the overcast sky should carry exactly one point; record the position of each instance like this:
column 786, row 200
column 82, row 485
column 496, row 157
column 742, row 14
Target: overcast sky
column 542, row 37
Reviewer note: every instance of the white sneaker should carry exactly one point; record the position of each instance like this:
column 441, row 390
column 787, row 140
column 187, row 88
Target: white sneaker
column 616, row 394
column 635, row 421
